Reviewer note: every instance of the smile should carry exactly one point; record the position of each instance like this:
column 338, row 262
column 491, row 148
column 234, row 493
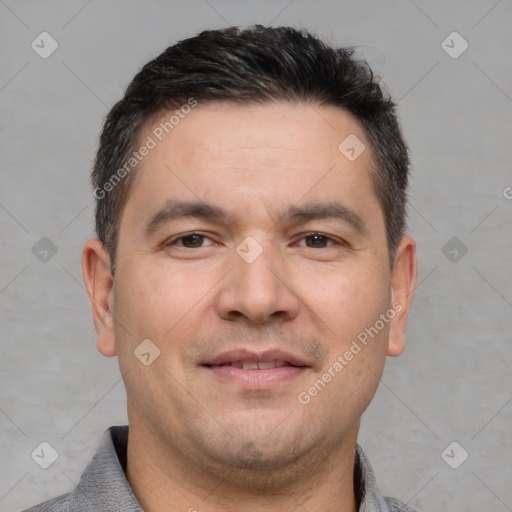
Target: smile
column 256, row 365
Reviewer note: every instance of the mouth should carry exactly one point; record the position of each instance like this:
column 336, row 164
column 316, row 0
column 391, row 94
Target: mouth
column 252, row 370
column 254, row 365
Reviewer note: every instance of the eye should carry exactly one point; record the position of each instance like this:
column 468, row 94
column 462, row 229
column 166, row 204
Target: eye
column 317, row 241
column 190, row 241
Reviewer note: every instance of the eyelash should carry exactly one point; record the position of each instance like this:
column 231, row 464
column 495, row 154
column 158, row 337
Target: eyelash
column 173, row 242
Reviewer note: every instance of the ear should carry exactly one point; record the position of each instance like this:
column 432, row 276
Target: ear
column 100, row 287
column 403, row 282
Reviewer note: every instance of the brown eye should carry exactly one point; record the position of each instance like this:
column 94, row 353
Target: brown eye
column 191, row 241
column 317, row 241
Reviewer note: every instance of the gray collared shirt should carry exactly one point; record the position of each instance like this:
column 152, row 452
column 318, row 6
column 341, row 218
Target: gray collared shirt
column 103, row 486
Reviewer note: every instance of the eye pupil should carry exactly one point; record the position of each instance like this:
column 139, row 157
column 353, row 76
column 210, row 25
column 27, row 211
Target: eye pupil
column 193, row 240
column 317, row 240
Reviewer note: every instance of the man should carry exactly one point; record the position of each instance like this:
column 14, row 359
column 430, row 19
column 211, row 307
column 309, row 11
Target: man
column 251, row 273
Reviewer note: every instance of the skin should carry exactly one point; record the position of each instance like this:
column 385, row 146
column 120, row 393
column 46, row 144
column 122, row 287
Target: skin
column 198, row 440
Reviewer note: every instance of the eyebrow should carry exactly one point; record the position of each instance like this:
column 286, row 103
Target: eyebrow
column 330, row 210
column 175, row 209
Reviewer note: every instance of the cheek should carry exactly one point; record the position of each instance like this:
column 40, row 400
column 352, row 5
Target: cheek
column 155, row 306
column 362, row 335
column 162, row 303
column 345, row 300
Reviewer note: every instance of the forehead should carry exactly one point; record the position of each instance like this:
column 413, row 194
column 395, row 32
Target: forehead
column 276, row 128
column 275, row 153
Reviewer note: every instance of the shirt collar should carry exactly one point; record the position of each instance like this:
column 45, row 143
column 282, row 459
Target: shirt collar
column 365, row 485
column 104, row 485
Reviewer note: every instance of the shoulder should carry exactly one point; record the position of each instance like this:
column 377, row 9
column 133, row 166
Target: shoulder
column 60, row 504
column 397, row 506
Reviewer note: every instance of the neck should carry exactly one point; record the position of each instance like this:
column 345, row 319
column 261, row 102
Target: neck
column 165, row 480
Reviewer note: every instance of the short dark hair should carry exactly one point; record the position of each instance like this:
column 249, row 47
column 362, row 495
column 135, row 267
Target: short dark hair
column 252, row 66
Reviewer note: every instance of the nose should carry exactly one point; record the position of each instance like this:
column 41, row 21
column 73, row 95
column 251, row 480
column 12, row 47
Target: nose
column 260, row 291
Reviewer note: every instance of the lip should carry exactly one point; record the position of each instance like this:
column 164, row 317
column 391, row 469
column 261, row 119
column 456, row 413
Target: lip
column 256, row 378
column 249, row 355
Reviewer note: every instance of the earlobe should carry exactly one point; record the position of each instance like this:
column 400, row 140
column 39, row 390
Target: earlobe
column 99, row 284
column 403, row 282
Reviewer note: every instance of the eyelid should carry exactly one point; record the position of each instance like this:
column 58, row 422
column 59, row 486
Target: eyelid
column 172, row 241
column 331, row 238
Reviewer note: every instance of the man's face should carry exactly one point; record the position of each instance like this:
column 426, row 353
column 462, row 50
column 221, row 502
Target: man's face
column 249, row 237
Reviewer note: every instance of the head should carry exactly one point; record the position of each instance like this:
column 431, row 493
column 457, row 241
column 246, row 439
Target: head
column 245, row 233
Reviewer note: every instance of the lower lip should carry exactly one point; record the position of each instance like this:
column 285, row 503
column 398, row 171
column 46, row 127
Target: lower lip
column 257, row 378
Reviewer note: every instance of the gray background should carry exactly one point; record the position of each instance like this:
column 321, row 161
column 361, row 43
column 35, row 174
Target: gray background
column 452, row 384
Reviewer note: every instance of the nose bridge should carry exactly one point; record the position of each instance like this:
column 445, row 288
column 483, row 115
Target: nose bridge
column 259, row 265
column 257, row 287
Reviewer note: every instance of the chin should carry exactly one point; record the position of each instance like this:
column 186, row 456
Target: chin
column 258, row 447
